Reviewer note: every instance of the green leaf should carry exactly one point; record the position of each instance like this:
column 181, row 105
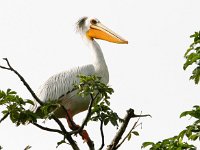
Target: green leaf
column 30, row 102
column 146, row 144
column 194, row 137
column 129, row 137
column 135, row 133
column 182, row 134
column 106, row 120
column 185, row 113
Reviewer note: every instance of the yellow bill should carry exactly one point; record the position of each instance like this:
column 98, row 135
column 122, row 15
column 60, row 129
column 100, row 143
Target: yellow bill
column 99, row 31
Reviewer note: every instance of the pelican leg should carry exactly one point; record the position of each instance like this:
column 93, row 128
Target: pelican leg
column 74, row 126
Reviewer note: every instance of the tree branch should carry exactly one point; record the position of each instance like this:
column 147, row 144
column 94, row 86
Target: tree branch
column 130, row 114
column 4, row 68
column 102, row 135
column 47, row 129
column 65, row 133
column 134, row 126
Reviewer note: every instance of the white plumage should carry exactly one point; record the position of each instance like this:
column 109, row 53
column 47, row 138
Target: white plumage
column 60, row 85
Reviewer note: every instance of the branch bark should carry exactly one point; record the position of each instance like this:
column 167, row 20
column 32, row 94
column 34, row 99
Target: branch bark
column 130, row 114
column 134, row 126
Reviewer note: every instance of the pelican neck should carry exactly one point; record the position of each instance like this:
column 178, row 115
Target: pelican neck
column 99, row 61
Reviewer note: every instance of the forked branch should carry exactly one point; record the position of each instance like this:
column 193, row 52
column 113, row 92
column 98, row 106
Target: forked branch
column 130, row 114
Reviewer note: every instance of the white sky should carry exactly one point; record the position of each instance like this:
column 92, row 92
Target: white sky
column 39, row 39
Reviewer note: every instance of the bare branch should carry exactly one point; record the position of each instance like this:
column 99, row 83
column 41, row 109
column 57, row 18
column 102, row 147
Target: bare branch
column 22, row 79
column 4, row 68
column 130, row 114
column 47, row 129
column 102, row 135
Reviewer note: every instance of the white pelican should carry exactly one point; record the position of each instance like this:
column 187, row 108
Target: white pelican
column 59, row 85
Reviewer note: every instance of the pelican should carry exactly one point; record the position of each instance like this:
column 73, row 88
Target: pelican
column 59, row 86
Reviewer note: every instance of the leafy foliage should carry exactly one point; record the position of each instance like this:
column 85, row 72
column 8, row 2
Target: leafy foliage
column 191, row 132
column 15, row 107
column 93, row 87
column 47, row 109
column 195, row 112
column 173, row 143
column 192, row 56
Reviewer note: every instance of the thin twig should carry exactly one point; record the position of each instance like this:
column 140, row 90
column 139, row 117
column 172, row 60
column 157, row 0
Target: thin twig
column 102, row 135
column 27, row 147
column 47, row 129
column 65, row 133
column 4, row 68
column 4, row 117
column 87, row 116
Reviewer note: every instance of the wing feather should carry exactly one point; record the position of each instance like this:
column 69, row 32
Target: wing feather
column 61, row 83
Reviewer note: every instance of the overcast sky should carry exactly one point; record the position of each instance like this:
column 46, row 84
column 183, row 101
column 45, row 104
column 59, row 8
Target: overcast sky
column 39, row 39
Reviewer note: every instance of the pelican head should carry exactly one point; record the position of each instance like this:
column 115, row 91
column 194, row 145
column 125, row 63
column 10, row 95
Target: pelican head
column 92, row 28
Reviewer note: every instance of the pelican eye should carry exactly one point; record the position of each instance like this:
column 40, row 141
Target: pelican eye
column 93, row 21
